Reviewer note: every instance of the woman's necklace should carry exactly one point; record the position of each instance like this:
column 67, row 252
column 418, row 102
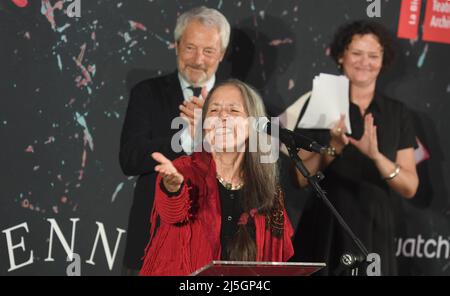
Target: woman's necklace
column 229, row 186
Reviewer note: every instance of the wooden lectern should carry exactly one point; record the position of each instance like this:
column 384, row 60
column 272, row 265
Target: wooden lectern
column 251, row 268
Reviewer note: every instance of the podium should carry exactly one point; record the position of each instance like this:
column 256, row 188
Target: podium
column 252, row 268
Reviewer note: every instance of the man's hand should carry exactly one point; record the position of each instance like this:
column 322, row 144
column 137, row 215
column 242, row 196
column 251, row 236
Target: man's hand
column 187, row 110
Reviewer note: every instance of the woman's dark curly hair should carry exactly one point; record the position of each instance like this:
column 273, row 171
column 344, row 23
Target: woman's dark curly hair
column 344, row 37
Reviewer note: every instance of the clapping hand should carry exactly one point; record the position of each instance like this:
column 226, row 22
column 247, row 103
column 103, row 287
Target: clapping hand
column 339, row 139
column 368, row 144
column 187, row 110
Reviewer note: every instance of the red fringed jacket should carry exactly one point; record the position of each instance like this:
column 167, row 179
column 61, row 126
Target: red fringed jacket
column 188, row 236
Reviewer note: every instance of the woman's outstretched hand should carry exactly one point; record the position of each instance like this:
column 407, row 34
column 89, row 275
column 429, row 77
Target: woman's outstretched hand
column 172, row 179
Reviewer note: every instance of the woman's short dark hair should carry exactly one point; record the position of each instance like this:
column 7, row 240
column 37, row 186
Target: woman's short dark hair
column 344, row 37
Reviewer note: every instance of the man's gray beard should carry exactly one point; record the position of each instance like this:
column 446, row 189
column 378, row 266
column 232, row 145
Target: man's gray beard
column 194, row 84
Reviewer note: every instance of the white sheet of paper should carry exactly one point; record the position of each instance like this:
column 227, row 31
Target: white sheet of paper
column 289, row 118
column 329, row 99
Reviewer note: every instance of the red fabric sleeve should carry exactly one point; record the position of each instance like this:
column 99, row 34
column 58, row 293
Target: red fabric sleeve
column 288, row 248
column 174, row 209
column 270, row 247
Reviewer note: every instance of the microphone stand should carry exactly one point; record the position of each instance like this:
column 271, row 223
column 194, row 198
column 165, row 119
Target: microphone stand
column 348, row 260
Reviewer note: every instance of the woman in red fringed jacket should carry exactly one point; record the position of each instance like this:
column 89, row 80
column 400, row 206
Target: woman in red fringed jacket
column 223, row 203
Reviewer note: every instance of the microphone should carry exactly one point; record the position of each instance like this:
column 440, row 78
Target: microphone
column 349, row 259
column 287, row 137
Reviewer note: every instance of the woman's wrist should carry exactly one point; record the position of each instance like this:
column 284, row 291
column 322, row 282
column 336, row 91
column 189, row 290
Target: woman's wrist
column 377, row 157
column 172, row 187
column 170, row 193
column 394, row 173
column 388, row 169
column 331, row 151
column 336, row 146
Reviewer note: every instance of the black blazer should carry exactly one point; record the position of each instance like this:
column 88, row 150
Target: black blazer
column 153, row 104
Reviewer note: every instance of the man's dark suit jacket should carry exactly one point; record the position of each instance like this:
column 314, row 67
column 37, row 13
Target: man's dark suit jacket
column 153, row 104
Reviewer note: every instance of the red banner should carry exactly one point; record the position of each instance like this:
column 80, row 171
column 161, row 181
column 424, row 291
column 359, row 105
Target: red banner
column 436, row 27
column 409, row 19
